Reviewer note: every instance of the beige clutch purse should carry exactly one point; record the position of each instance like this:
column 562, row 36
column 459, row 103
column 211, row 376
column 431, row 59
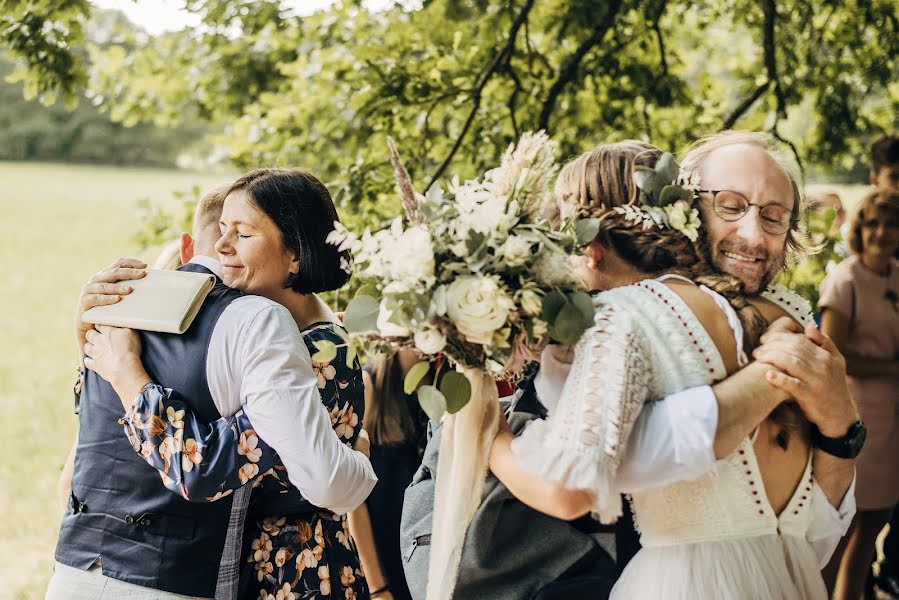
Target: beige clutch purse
column 164, row 301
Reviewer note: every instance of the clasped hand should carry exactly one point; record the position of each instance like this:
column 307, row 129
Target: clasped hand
column 812, row 371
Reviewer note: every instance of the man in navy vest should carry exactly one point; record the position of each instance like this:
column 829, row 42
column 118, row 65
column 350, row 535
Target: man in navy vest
column 124, row 535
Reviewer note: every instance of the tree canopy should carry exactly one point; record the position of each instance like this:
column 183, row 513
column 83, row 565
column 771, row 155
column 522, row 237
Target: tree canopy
column 455, row 81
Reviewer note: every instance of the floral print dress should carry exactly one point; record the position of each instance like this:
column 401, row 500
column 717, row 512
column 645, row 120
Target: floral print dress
column 292, row 550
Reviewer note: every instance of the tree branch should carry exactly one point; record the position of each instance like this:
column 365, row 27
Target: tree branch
column 482, row 82
column 569, row 67
column 770, row 11
column 791, row 145
column 745, row 105
column 659, row 38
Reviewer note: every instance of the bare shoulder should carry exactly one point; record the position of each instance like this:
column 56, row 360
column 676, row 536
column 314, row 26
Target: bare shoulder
column 771, row 311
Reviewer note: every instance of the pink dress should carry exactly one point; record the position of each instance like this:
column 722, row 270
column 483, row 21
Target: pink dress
column 870, row 302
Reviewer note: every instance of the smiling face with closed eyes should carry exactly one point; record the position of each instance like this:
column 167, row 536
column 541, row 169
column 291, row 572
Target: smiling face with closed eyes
column 742, row 248
column 251, row 249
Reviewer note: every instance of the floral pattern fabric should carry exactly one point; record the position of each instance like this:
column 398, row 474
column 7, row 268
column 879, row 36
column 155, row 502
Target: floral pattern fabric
column 300, row 552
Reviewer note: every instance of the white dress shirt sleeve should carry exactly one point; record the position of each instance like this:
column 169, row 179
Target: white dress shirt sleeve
column 279, row 394
column 672, row 440
column 828, row 524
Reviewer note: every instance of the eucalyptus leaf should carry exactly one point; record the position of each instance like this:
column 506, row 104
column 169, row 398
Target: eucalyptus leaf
column 646, row 179
column 326, row 351
column 351, row 353
column 584, row 303
column 361, row 314
column 456, row 390
column 568, row 325
column 415, row 375
column 553, row 302
column 432, row 401
column 586, row 230
column 667, row 168
column 367, row 290
column 672, row 193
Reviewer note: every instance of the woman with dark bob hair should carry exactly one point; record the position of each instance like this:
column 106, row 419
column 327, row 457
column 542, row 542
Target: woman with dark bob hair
column 274, row 226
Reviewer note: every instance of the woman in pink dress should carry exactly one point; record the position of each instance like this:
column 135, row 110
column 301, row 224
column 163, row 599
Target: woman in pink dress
column 860, row 312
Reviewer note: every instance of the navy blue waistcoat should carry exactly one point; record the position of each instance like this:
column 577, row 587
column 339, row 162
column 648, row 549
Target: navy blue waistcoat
column 119, row 511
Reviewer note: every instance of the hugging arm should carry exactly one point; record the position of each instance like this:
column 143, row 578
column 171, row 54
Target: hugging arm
column 201, row 462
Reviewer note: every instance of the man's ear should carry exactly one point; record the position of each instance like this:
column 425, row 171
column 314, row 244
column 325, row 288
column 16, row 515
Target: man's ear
column 595, row 254
column 187, row 248
column 873, row 178
column 294, row 265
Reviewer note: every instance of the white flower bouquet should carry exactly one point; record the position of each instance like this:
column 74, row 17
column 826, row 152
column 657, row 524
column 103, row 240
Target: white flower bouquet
column 475, row 275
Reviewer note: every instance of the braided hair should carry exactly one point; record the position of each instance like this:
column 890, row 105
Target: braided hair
column 600, row 180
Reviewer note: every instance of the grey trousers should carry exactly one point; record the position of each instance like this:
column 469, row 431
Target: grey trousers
column 69, row 583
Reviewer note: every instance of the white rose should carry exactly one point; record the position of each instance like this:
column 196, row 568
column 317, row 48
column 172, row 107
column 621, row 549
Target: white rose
column 430, row 341
column 477, row 306
column 515, row 251
column 387, row 327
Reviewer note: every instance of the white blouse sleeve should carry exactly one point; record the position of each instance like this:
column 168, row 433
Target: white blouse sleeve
column 281, row 398
column 581, row 444
column 673, row 440
column 829, row 524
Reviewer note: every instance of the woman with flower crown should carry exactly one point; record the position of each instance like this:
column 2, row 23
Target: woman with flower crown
column 733, row 533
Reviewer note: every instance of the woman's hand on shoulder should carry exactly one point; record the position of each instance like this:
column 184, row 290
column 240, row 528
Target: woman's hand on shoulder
column 105, row 288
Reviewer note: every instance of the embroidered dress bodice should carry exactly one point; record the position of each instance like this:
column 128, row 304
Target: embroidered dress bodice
column 712, row 537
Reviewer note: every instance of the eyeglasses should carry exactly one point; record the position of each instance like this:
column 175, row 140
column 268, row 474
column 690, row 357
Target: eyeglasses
column 733, row 206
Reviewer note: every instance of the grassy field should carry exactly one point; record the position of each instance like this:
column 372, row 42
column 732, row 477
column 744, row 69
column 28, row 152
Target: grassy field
column 61, row 224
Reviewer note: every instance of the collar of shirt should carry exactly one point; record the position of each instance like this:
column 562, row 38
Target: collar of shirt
column 208, row 262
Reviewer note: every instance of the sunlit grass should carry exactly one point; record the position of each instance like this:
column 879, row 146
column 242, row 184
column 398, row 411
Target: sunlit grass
column 60, row 224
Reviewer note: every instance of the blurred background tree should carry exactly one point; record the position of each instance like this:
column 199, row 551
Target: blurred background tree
column 455, row 81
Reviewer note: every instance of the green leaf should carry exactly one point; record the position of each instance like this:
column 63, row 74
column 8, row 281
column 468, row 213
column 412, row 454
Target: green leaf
column 367, row 290
column 456, row 390
column 327, row 351
column 432, row 401
column 415, row 375
column 586, row 230
column 584, row 303
column 553, row 302
column 361, row 314
column 568, row 325
column 351, row 353
column 672, row 193
column 646, row 179
column 667, row 168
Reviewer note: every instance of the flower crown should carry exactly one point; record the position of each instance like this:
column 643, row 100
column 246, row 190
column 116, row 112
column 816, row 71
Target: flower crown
column 666, row 199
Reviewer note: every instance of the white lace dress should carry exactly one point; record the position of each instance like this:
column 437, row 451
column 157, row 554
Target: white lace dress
column 715, row 537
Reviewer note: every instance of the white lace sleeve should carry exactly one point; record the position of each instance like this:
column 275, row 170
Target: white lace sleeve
column 582, row 443
column 792, row 303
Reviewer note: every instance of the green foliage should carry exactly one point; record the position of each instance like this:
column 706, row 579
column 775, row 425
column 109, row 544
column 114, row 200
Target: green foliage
column 415, row 375
column 159, row 224
column 43, row 37
column 455, row 82
column 805, row 277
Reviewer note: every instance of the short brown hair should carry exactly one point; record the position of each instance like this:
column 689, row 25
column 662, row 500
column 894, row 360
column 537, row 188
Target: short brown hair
column 209, row 208
column 883, row 199
column 884, row 152
column 301, row 208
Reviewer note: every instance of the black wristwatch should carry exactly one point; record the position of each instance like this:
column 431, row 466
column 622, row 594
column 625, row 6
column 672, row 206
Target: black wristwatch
column 847, row 446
